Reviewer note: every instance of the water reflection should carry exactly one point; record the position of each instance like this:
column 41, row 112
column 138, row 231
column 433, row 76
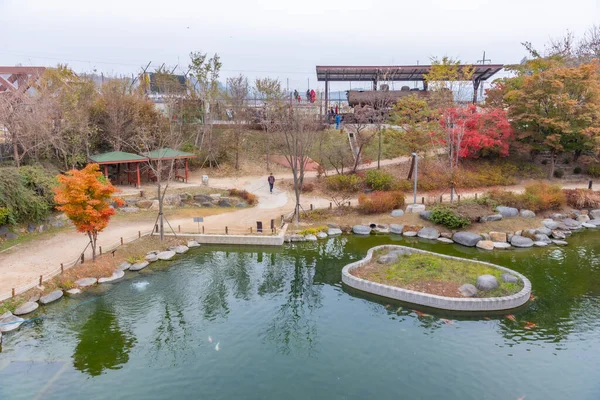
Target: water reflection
column 102, row 343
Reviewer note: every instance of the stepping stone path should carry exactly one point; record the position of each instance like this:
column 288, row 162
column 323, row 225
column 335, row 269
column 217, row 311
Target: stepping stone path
column 468, row 239
column 85, row 282
column 487, row 282
column 192, row 243
column 502, row 245
column 139, row 266
column 26, row 308
column 166, row 255
column 10, row 323
column 118, row 274
column 50, row 297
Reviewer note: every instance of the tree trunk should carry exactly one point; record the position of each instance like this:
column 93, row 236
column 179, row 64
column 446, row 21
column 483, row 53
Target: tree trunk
column 552, row 163
column 268, row 147
column 379, row 152
column 93, row 238
column 16, row 150
column 161, row 228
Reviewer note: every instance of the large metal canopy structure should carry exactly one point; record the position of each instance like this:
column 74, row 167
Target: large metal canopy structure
column 396, row 73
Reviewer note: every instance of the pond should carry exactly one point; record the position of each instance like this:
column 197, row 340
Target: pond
column 286, row 328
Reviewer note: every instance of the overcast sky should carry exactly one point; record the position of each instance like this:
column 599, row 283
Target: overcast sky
column 279, row 38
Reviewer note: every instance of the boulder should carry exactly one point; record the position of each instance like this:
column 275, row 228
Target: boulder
column 52, row 296
column 487, row 282
column 426, row 215
column 346, row 229
column 571, row 223
column 509, row 236
column 139, row 266
column 124, row 266
column 544, row 231
column 540, row 244
column 129, row 209
column 527, row 214
column 594, row 214
column 310, row 238
column 558, row 216
column 321, row 235
column 151, row 257
column 485, row 236
column 144, row 203
column 58, row 223
column 85, row 282
column 165, row 255
column 333, row 226
column 396, row 229
column 485, row 245
column 181, row 249
column 334, row 231
column 501, row 245
column 172, row 199
column 118, row 274
column 540, row 237
column 380, row 230
column 583, row 218
column 11, row 235
column 509, row 278
column 73, row 291
column 3, row 230
column 491, row 218
column 192, row 243
column 521, row 241
column 558, row 235
column 447, row 235
column 297, row 238
column 361, row 230
column 468, row 239
column 550, row 224
column 498, row 236
column 31, row 228
column 410, row 233
column 507, row 211
column 589, row 226
column 388, row 258
column 560, row 242
column 10, row 323
column 224, row 203
column 415, row 208
column 468, row 290
column 241, row 204
column 397, row 213
column 594, row 222
column 445, row 240
column 202, row 198
column 35, row 297
column 428, row 233
column 207, row 204
column 26, row 308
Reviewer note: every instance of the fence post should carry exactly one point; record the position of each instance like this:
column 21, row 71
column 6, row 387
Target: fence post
column 139, row 234
column 156, row 228
column 590, row 184
column 100, row 248
column 330, row 205
column 459, row 198
column 311, row 207
column 82, row 257
column 121, row 241
column 62, row 268
column 40, row 280
column 422, row 200
column 13, row 292
column 179, row 228
column 441, row 197
column 226, row 231
column 203, row 229
column 475, row 196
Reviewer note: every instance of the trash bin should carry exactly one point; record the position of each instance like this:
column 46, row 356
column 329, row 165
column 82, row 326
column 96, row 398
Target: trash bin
column 205, row 179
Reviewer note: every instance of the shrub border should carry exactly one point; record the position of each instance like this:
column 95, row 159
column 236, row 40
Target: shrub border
column 431, row 300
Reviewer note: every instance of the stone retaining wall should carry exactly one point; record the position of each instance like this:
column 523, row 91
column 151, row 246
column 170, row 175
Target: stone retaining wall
column 431, row 300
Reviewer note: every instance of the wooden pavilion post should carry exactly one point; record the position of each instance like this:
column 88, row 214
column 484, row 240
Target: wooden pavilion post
column 186, row 170
column 128, row 174
column 106, row 171
column 137, row 169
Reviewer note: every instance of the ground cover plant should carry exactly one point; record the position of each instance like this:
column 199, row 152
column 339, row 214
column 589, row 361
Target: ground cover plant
column 379, row 202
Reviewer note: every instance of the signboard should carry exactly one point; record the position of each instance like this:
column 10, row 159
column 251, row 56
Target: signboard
column 198, row 219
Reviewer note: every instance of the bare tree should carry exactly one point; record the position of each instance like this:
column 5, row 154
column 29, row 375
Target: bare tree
column 296, row 130
column 361, row 132
column 237, row 93
column 269, row 91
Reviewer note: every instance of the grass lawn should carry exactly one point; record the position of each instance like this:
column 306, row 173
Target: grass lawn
column 435, row 275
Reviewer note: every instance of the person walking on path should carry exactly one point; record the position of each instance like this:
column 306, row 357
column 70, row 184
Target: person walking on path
column 271, row 180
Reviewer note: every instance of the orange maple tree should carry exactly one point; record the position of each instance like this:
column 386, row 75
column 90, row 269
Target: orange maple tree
column 84, row 196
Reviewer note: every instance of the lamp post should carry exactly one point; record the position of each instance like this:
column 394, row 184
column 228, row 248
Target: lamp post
column 416, row 158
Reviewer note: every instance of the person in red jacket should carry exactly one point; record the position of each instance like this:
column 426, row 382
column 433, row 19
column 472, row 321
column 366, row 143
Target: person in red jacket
column 313, row 96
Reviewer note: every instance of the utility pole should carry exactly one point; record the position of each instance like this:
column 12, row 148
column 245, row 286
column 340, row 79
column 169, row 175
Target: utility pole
column 483, row 61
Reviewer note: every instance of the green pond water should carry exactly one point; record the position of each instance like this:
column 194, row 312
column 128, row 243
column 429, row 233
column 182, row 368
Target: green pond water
column 287, row 329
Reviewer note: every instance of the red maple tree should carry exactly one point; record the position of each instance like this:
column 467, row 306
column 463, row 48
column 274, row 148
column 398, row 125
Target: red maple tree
column 84, row 196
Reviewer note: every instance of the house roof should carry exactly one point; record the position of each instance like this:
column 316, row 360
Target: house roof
column 167, row 154
column 116, row 157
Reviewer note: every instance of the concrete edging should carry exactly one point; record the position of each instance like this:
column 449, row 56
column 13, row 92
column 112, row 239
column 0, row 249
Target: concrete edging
column 431, row 300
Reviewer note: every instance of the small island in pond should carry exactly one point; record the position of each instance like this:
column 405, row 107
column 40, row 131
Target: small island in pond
column 437, row 280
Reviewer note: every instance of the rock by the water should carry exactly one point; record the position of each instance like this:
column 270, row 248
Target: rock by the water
column 361, row 230
column 571, row 223
column 397, row 213
column 550, row 224
column 26, row 308
column 426, row 215
column 594, row 222
column 502, row 245
column 181, row 249
column 527, row 214
column 583, row 218
column 560, row 242
column 540, row 237
column 85, row 282
column 498, row 236
column 491, row 218
column 396, row 229
column 52, row 296
column 321, row 235
column 224, row 203
column 380, row 230
column 74, row 291
column 589, row 226
column 509, row 278
column 468, row 239
column 487, row 282
column 485, row 245
column 595, row 214
column 139, row 266
column 447, row 235
column 331, row 225
column 485, row 236
column 428, row 233
column 129, row 209
column 334, row 231
column 445, row 240
column 410, row 233
column 124, row 266
column 544, row 231
column 539, row 243
column 151, row 257
column 118, row 274
column 468, row 290
column 310, row 238
column 507, row 211
column 297, row 238
column 166, row 255
column 192, row 243
column 521, row 241
column 388, row 258
column 558, row 235
column 10, row 323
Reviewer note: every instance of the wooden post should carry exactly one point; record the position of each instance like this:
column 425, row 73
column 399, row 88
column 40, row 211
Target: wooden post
column 137, row 169
column 13, row 292
column 179, row 228
column 590, row 185
column 40, row 280
column 475, row 196
column 82, row 258
column 106, row 171
column 139, row 234
column 441, row 197
column 311, row 207
column 62, row 268
column 121, row 241
column 203, row 229
column 156, row 228
column 100, row 248
column 330, row 205
column 226, row 231
column 459, row 198
column 186, row 170
column 422, row 200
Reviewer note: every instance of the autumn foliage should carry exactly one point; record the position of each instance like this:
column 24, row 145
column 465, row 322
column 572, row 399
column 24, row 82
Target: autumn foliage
column 379, row 202
column 84, row 196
